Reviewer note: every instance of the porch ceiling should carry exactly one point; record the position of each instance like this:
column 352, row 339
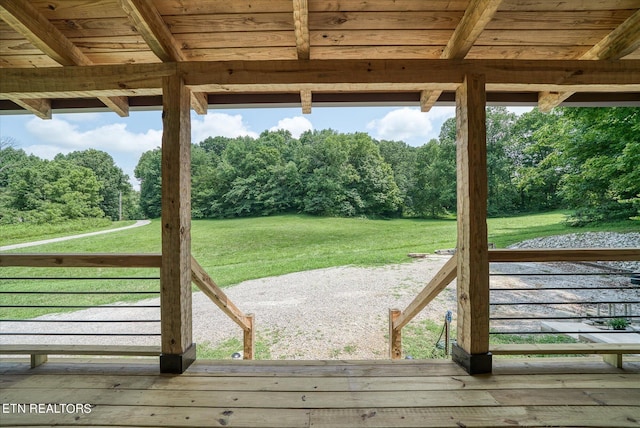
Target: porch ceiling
column 321, row 36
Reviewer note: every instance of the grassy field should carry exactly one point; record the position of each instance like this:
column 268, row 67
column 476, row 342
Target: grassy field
column 239, row 249
column 19, row 233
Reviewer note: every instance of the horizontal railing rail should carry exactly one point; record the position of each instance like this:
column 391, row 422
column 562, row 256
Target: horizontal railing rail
column 82, row 260
column 109, row 260
column 398, row 319
column 58, row 299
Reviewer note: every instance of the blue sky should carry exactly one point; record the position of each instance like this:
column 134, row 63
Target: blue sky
column 125, row 139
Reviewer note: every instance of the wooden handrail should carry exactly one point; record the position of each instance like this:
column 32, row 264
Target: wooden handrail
column 565, row 255
column 204, row 282
column 82, row 260
column 102, row 260
column 439, row 282
column 398, row 319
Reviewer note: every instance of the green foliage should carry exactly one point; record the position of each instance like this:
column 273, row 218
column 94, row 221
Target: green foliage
column 424, row 339
column 114, row 184
column 323, row 173
column 224, row 350
column 78, row 185
column 618, row 323
column 434, row 187
column 601, row 151
column 531, row 339
column 582, row 159
column 52, row 191
column 148, row 172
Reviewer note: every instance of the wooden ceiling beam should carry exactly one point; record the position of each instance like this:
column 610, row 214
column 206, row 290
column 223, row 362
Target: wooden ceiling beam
column 41, row 107
column 617, row 44
column 151, row 26
column 199, row 102
column 301, row 24
column 321, row 75
column 476, row 17
column 305, row 100
column 26, row 20
column 154, row 30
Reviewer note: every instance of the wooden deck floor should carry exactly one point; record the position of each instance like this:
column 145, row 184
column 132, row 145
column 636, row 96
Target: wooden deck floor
column 130, row 392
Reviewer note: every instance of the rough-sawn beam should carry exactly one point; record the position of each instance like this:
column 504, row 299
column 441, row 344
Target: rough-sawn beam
column 26, row 20
column 319, row 75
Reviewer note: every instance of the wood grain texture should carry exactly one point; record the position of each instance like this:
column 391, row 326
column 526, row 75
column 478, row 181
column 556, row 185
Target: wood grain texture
column 438, row 283
column 249, row 338
column 40, row 107
column 395, row 335
column 564, row 255
column 566, row 348
column 204, row 282
column 26, row 20
column 622, row 41
column 153, row 29
column 306, row 101
column 289, row 76
column 175, row 273
column 472, row 256
column 404, row 393
column 82, row 260
column 477, row 16
column 301, row 25
column 80, row 350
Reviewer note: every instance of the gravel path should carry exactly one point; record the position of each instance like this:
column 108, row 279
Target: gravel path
column 67, row 238
column 334, row 313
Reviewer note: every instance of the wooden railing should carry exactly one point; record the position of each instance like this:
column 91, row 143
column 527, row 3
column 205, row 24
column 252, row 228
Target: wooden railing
column 209, row 287
column 398, row 319
column 198, row 276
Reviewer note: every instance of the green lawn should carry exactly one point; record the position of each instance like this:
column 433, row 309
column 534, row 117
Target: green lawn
column 19, row 233
column 239, row 249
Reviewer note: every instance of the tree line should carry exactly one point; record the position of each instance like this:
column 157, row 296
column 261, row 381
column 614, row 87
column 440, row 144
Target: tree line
column 81, row 184
column 581, row 158
column 585, row 159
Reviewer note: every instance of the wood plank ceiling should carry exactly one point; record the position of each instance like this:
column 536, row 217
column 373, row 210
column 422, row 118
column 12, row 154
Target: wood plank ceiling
column 54, row 33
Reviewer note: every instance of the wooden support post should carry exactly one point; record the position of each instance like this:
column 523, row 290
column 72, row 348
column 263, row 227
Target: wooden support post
column 38, row 360
column 249, row 338
column 178, row 351
column 472, row 348
column 395, row 335
column 613, row 359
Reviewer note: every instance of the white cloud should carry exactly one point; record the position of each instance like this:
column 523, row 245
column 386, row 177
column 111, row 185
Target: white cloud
column 219, row 125
column 520, row 110
column 409, row 124
column 296, row 125
column 60, row 135
column 80, row 117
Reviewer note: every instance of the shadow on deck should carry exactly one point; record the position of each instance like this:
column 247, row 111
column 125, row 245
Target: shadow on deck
column 130, row 392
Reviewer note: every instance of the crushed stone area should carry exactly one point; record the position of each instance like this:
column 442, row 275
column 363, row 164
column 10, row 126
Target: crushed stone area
column 342, row 313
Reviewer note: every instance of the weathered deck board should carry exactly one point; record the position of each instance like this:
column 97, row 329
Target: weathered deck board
column 329, row 384
column 128, row 392
column 622, row 416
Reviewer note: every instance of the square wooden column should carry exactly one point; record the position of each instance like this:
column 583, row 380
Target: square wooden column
column 472, row 348
column 178, row 351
